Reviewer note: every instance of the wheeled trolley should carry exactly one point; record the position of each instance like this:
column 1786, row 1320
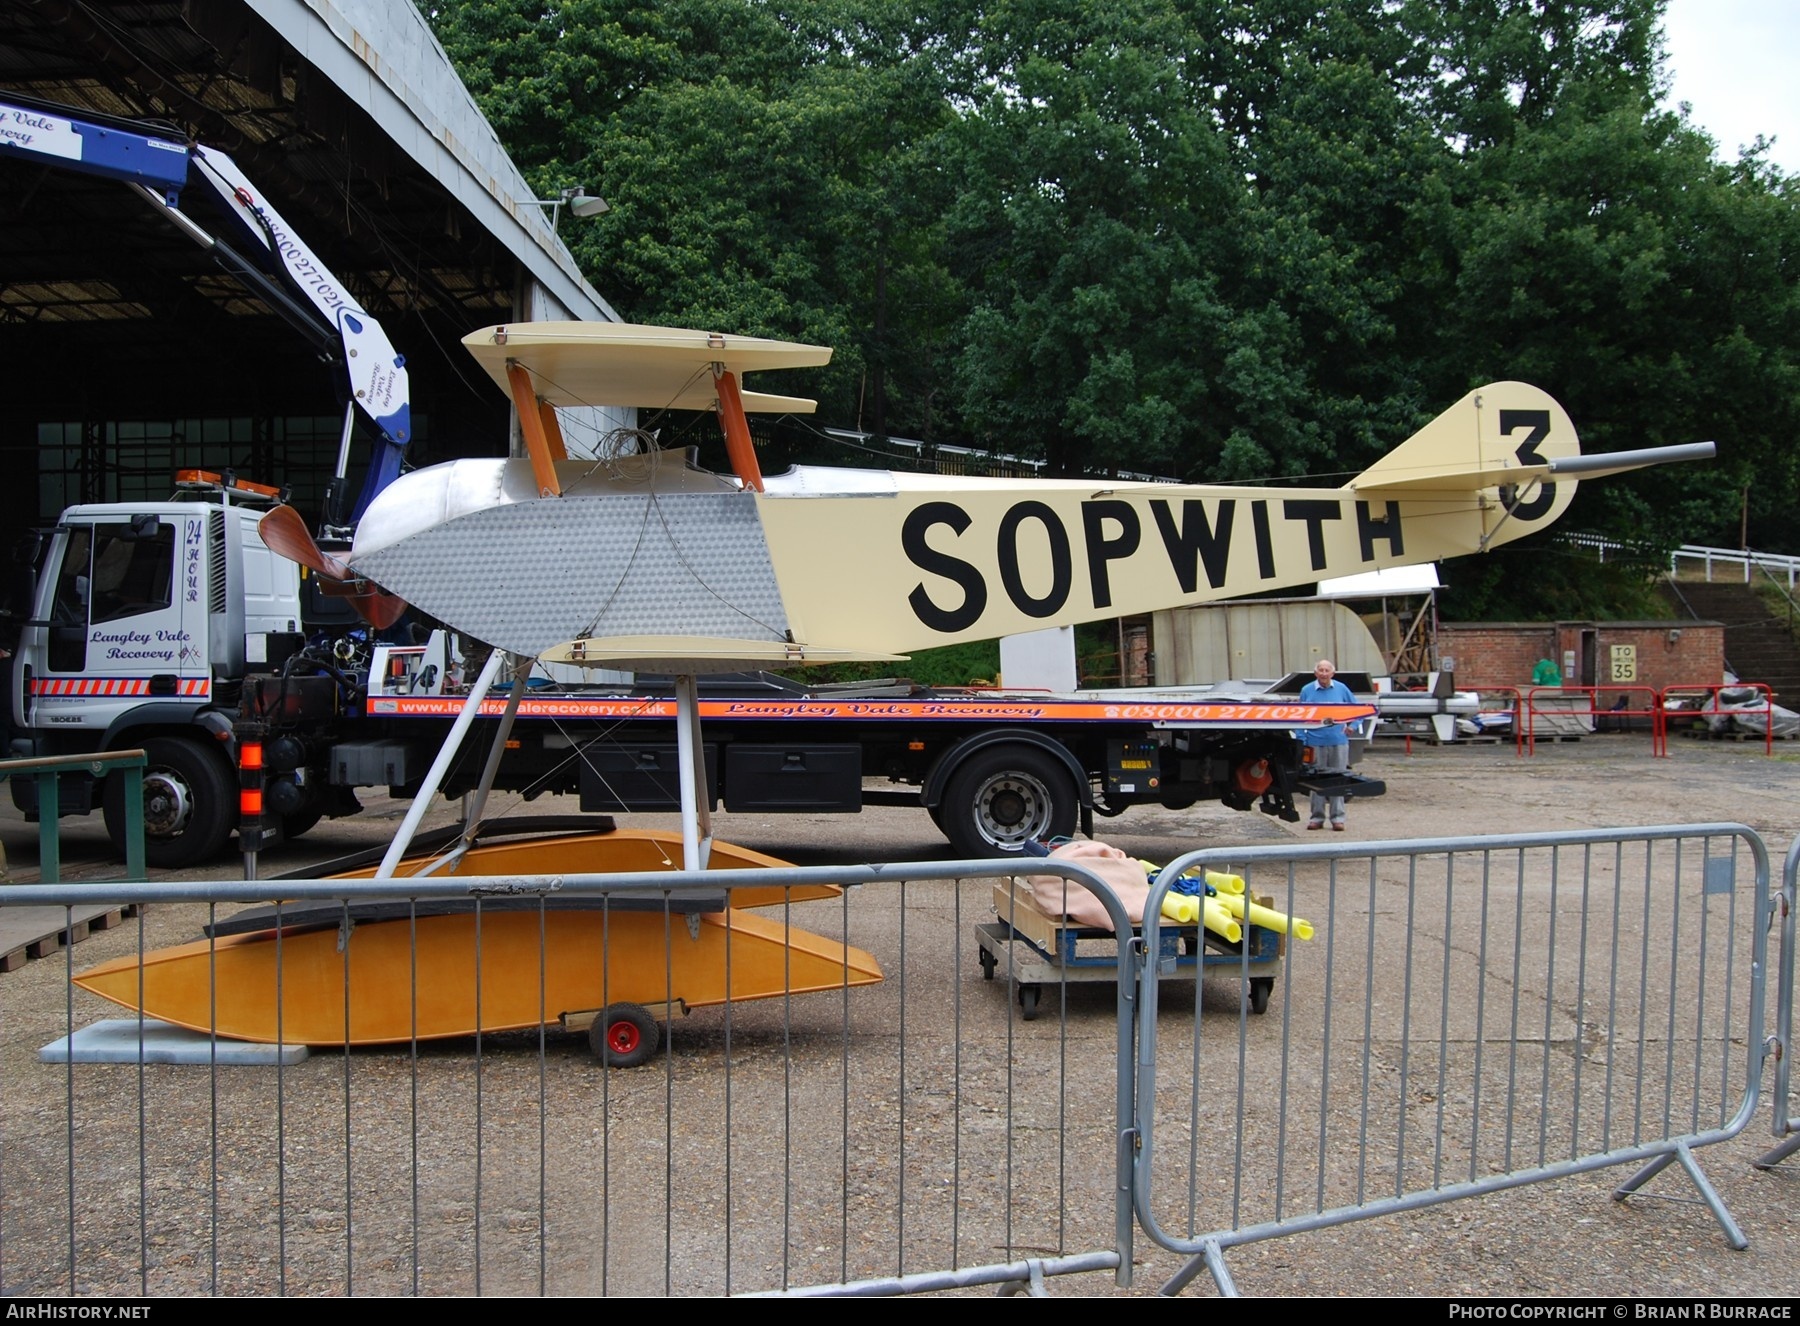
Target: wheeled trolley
column 1036, row 950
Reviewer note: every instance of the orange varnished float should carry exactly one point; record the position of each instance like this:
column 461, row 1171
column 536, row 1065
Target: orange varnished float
column 281, row 974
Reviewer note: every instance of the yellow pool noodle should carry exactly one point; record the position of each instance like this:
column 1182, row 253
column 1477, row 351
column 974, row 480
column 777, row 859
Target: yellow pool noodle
column 1224, row 883
column 1186, row 908
column 1182, row 908
column 1222, row 923
column 1267, row 918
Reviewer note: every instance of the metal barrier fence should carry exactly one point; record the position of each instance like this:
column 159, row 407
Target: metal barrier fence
column 1473, row 1014
column 1470, row 1015
column 856, row 1139
column 1682, row 707
column 1650, row 709
column 1786, row 1123
column 1685, row 706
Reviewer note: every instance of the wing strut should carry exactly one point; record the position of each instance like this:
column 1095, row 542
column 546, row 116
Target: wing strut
column 737, row 429
column 538, row 444
column 696, row 805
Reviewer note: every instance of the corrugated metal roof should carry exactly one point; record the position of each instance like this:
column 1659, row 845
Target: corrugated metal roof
column 347, row 113
column 350, row 119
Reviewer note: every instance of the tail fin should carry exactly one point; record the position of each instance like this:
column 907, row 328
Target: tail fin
column 1506, row 453
column 1493, row 449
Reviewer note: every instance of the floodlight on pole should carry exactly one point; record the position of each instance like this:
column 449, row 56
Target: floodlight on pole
column 578, row 200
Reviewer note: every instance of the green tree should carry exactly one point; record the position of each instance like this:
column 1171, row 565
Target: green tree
column 1588, row 241
column 1321, row 102
column 1215, row 239
column 1183, row 231
column 762, row 166
column 1093, row 195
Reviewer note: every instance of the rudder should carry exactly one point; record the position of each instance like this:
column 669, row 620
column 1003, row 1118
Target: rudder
column 1494, row 445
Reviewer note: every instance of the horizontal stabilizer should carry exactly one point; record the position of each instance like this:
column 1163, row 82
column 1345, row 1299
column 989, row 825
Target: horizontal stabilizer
column 1473, row 477
column 1452, row 478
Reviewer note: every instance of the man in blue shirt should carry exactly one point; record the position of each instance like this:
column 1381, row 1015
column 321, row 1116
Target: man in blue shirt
column 1328, row 747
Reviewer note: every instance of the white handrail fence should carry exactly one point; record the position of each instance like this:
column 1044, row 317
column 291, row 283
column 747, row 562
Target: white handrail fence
column 1714, row 563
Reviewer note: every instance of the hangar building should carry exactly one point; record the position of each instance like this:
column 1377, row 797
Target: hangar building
column 129, row 353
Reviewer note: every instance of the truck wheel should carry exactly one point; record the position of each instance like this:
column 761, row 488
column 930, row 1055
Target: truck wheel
column 187, row 804
column 1006, row 796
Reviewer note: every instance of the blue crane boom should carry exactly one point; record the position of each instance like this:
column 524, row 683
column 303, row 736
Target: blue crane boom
column 161, row 167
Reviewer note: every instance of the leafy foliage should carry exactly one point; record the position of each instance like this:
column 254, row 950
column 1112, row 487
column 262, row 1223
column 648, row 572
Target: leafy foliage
column 1212, row 239
column 1546, row 580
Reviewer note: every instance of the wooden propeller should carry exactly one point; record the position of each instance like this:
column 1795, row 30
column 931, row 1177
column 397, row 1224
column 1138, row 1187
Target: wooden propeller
column 285, row 532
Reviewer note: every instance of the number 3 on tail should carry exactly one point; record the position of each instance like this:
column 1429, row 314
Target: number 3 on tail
column 1538, row 421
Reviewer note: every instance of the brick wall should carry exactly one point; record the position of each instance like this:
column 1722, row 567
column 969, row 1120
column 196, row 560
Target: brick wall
column 1485, row 655
column 1494, row 654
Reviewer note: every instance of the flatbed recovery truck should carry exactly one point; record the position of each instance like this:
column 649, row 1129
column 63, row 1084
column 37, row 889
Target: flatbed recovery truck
column 993, row 768
column 164, row 625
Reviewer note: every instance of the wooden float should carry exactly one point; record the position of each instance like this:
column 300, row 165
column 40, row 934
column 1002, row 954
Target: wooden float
column 280, row 973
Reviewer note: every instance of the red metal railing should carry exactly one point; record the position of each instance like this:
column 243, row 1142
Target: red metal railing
column 1652, row 709
column 1709, row 705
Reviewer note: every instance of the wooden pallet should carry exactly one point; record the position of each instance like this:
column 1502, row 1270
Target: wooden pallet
column 41, row 932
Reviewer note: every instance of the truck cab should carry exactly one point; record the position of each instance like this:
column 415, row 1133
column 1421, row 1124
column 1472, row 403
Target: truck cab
column 145, row 618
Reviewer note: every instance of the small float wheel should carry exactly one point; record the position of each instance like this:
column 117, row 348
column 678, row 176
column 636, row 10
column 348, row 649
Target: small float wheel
column 1028, row 1002
column 624, row 1035
column 1260, row 988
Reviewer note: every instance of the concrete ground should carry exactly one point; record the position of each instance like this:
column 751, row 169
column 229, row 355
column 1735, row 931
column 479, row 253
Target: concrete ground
column 526, row 1197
